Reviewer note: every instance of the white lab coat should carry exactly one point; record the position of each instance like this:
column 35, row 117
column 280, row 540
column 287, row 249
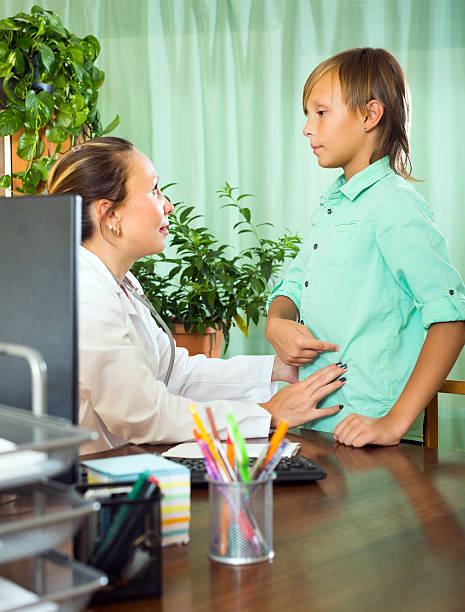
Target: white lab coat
column 123, row 358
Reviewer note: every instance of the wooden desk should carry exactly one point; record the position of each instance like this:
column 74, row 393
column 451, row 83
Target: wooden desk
column 384, row 531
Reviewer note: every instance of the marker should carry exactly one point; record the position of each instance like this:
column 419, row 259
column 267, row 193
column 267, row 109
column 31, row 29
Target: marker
column 230, row 451
column 276, row 440
column 239, row 448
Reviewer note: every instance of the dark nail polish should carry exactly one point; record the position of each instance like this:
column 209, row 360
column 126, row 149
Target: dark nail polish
column 341, row 406
column 339, row 364
column 343, row 367
column 343, row 379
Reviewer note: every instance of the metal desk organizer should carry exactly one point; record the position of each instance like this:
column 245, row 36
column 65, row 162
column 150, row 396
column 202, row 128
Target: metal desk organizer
column 36, row 514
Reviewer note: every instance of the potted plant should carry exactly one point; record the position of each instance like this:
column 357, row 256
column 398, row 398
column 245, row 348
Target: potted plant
column 206, row 287
column 48, row 93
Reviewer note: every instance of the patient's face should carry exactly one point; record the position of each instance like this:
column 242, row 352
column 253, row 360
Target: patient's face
column 144, row 214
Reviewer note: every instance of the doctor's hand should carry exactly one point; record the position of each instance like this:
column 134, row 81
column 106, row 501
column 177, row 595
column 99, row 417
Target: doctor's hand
column 297, row 403
column 284, row 372
column 294, row 342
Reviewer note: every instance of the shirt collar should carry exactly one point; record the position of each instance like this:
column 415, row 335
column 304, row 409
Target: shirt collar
column 360, row 181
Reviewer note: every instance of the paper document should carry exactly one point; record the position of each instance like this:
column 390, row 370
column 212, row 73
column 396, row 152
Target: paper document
column 191, row 450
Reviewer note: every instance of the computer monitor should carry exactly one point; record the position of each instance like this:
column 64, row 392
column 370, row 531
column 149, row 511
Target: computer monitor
column 39, row 237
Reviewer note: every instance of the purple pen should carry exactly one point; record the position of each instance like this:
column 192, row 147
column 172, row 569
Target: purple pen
column 273, row 462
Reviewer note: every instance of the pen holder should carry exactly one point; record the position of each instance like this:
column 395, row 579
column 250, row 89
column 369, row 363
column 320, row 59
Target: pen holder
column 241, row 521
column 132, row 559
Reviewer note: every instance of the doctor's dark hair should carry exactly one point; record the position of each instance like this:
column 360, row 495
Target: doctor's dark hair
column 373, row 74
column 97, row 169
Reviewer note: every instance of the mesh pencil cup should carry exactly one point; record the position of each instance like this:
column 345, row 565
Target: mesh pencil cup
column 241, row 521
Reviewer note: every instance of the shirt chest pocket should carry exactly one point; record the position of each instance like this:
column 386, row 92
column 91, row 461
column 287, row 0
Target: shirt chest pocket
column 349, row 243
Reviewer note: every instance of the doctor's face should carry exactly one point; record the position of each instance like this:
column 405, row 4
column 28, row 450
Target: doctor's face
column 144, row 214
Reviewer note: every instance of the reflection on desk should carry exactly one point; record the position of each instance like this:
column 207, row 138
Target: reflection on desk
column 384, row 531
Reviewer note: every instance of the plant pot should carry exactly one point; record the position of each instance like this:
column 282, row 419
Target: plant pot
column 209, row 344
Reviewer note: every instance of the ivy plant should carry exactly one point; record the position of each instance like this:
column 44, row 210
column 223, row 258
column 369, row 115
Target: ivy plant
column 48, row 86
column 206, row 284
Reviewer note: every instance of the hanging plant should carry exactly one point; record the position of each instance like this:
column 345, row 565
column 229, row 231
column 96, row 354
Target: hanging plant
column 49, row 89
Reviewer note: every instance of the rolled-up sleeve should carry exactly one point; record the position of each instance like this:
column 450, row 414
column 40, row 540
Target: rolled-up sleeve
column 416, row 253
column 291, row 285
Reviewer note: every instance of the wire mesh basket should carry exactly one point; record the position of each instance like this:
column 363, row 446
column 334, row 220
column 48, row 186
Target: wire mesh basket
column 41, row 574
column 38, row 518
column 36, row 447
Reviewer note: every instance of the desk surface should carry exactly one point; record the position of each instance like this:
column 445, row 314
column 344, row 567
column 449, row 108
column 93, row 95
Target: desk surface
column 384, row 531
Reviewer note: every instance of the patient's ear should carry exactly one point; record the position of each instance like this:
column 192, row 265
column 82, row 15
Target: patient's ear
column 373, row 114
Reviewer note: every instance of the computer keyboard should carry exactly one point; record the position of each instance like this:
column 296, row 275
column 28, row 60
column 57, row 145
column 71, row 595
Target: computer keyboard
column 288, row 470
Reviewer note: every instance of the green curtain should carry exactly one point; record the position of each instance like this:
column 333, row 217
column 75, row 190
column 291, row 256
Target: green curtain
column 211, row 90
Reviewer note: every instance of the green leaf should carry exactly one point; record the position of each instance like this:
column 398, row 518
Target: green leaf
column 241, row 324
column 10, row 24
column 3, row 50
column 75, row 55
column 19, row 62
column 26, row 17
column 111, row 126
column 39, row 108
column 46, row 106
column 64, row 116
column 11, row 121
column 22, row 87
column 6, row 88
column 56, row 25
column 46, row 55
column 38, row 9
column 56, row 133
column 97, row 77
column 245, row 195
column 5, row 181
column 41, row 167
column 24, row 42
column 94, row 42
column 30, row 147
column 77, row 101
column 245, row 213
column 79, row 118
column 88, row 50
column 80, row 73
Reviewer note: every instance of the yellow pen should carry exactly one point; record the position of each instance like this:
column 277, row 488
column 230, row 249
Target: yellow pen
column 203, row 432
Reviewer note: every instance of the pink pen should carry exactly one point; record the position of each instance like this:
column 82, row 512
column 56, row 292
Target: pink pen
column 214, row 474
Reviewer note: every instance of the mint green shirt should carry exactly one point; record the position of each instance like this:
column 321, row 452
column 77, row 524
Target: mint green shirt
column 372, row 276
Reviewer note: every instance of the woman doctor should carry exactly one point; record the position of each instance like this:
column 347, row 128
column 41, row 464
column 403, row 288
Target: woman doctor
column 124, row 355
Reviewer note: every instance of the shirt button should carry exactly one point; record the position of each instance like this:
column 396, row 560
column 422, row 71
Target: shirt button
column 306, row 283
column 315, row 246
column 329, row 211
column 451, row 292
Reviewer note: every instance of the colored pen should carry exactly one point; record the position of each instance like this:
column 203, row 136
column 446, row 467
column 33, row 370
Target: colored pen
column 254, row 471
column 212, row 469
column 230, row 451
column 203, row 432
column 212, row 423
column 239, row 448
column 217, row 444
column 270, row 466
column 276, row 440
column 120, row 518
